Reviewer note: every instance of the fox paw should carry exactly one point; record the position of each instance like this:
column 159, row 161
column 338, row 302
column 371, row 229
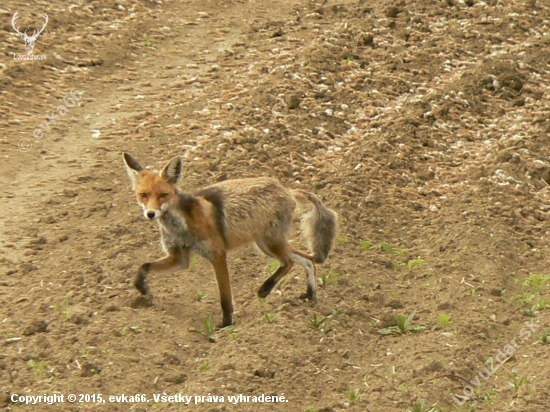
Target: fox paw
column 309, row 298
column 142, row 302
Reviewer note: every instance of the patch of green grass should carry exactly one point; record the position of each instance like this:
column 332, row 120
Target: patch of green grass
column 531, row 287
column 209, row 331
column 532, row 310
column 536, row 283
column 335, row 277
column 310, row 409
column 317, row 320
column 194, row 261
column 443, row 319
column 420, row 406
column 490, row 395
column 201, row 296
column 366, row 245
column 518, row 382
column 149, row 44
column 324, row 279
column 272, row 267
column 403, row 326
column 270, row 317
column 544, row 337
column 64, row 309
column 414, row 264
column 329, row 278
column 352, row 396
column 204, row 367
column 386, row 247
column 38, row 368
column 342, row 239
column 527, row 297
column 209, row 327
column 321, row 322
column 281, row 283
column 536, row 307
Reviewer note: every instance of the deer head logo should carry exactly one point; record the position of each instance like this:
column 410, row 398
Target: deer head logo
column 29, row 40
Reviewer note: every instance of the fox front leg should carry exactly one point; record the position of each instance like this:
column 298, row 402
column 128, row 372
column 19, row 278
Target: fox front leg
column 219, row 262
column 177, row 259
column 140, row 283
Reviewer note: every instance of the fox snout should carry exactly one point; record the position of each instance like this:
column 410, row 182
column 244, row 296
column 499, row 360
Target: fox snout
column 151, row 214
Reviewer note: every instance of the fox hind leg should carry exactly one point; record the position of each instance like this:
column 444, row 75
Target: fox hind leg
column 273, row 242
column 287, row 256
column 307, row 262
column 280, row 250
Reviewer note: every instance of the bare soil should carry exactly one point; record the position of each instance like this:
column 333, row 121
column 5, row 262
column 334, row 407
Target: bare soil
column 424, row 124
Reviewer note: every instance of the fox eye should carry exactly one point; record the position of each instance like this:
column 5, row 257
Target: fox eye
column 143, row 195
column 163, row 195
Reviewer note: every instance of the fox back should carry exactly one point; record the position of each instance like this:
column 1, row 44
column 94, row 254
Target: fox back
column 247, row 208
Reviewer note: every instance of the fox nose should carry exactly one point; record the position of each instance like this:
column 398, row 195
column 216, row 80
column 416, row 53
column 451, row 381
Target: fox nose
column 151, row 215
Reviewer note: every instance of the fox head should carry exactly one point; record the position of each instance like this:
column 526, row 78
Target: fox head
column 155, row 191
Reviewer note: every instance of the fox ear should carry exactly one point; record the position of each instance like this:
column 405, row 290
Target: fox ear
column 132, row 167
column 172, row 171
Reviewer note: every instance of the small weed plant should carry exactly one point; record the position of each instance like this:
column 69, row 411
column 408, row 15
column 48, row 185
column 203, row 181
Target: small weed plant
column 209, row 331
column 386, row 247
column 321, row 322
column 270, row 317
column 420, row 406
column 64, row 309
column 272, row 267
column 366, row 245
column 204, row 367
column 518, row 382
column 352, row 396
column 38, row 368
column 329, row 278
column 403, row 326
column 443, row 319
column 544, row 337
column 536, row 283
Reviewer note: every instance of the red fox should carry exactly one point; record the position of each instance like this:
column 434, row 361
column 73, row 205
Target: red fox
column 224, row 216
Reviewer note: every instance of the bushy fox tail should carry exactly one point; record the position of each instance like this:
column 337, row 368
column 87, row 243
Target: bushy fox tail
column 319, row 225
